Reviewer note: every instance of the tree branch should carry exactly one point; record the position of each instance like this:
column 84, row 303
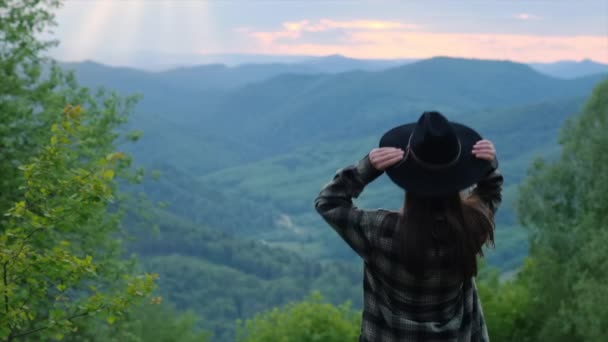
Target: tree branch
column 27, row 237
column 5, row 276
column 6, row 303
column 28, row 332
column 81, row 314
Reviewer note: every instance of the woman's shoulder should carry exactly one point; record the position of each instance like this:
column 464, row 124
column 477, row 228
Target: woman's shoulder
column 389, row 213
column 389, row 222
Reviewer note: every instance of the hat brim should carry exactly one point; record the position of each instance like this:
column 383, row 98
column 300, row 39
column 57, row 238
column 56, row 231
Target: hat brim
column 412, row 176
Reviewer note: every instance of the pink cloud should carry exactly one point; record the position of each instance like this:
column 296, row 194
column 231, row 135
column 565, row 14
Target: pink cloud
column 385, row 39
column 328, row 24
column 294, row 29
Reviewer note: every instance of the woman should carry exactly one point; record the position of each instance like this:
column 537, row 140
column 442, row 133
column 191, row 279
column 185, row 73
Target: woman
column 420, row 263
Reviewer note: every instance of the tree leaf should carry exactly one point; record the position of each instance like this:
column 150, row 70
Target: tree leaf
column 108, row 174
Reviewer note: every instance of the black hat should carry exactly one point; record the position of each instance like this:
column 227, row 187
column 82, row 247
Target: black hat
column 438, row 159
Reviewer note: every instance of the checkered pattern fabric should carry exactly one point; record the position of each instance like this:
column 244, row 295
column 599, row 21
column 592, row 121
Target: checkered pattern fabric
column 399, row 306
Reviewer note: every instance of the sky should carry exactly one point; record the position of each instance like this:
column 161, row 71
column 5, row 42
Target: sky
column 120, row 32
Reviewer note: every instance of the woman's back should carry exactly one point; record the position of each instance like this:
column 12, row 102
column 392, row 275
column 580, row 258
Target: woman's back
column 420, row 263
column 430, row 296
column 439, row 305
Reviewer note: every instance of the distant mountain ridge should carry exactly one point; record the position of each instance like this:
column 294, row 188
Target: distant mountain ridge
column 156, row 62
column 222, row 77
column 571, row 69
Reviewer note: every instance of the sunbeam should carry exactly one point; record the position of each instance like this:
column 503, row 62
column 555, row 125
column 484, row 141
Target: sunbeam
column 129, row 27
column 81, row 42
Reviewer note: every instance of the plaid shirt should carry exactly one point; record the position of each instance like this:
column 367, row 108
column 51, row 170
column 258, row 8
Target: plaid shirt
column 398, row 306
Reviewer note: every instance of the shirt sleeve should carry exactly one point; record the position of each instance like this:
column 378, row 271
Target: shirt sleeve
column 489, row 189
column 335, row 205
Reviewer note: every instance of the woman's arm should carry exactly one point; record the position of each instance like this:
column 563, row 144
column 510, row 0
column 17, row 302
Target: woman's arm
column 335, row 204
column 489, row 189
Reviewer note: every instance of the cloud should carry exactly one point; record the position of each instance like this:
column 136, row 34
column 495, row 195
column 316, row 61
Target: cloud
column 526, row 16
column 386, row 39
column 292, row 30
column 328, row 24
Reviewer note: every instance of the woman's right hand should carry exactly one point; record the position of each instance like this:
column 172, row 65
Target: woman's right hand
column 384, row 157
column 484, row 149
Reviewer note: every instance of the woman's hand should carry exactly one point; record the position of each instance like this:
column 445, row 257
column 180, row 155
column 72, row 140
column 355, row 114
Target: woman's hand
column 484, row 149
column 384, row 157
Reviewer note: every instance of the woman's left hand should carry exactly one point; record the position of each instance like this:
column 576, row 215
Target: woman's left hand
column 384, row 157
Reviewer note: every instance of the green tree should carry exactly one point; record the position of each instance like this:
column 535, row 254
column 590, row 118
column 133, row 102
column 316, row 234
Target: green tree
column 309, row 320
column 60, row 238
column 58, row 260
column 506, row 305
column 25, row 95
column 143, row 323
column 564, row 204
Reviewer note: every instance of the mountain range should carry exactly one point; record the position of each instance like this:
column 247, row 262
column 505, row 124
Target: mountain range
column 160, row 62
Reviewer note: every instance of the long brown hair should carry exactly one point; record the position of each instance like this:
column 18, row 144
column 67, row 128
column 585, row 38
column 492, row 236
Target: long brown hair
column 446, row 232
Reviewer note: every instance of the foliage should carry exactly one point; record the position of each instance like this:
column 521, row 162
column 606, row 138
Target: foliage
column 223, row 277
column 506, row 305
column 150, row 321
column 564, row 205
column 58, row 260
column 310, row 320
column 179, row 237
column 60, row 239
column 22, row 91
column 184, row 196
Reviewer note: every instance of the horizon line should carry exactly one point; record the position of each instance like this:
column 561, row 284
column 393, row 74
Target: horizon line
column 265, row 55
column 388, row 59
